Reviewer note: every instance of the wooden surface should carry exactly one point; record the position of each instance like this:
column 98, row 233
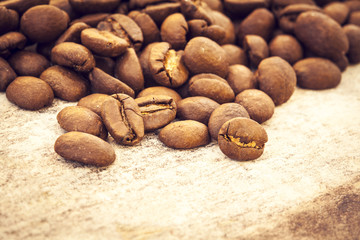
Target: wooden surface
column 306, row 185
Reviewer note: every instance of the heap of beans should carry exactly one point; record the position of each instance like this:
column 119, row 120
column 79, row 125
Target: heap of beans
column 218, row 67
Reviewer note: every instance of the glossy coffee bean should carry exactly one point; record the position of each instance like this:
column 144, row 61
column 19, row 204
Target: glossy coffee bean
column 242, row 139
column 94, row 102
column 185, row 134
column 256, row 49
column 174, row 30
column 122, row 118
column 240, row 78
column 27, row 63
column 160, row 90
column 7, row 74
column 85, row 148
column 287, row 47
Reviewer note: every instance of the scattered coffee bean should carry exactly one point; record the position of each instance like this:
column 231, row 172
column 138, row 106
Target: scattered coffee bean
column 151, row 32
column 240, row 78
column 11, row 41
column 286, row 47
column 174, row 30
column 160, row 90
column 94, row 102
column 256, row 49
column 73, row 33
column 26, row 63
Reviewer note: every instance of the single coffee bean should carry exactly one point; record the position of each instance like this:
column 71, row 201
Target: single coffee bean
column 106, row 64
column 67, row 84
column 103, row 43
column 7, row 74
column 196, row 108
column 224, row 113
column 287, row 47
column 257, row 103
column 223, row 21
column 276, row 78
column 89, row 6
column 211, row 86
column 199, row 27
column 27, row 63
column 156, row 110
column 11, row 41
column 256, row 49
column 242, row 139
column 160, row 90
column 94, row 102
column 44, row 23
column 73, row 33
column 240, row 78
column 317, row 73
column 20, row 5
column 91, row 19
column 338, row 11
column 123, row 120
column 9, row 20
column 29, row 93
column 159, row 12
column 202, row 55
column 151, row 32
column 73, row 55
column 102, row 82
column 185, row 134
column 278, row 5
column 235, row 54
column 174, row 30
column 353, row 34
column 65, row 6
column 84, row 148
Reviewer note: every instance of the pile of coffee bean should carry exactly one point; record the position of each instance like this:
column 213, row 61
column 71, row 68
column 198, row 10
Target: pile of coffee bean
column 191, row 70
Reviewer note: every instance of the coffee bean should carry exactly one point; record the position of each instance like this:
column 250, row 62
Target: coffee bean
column 67, row 84
column 150, row 31
column 235, row 54
column 65, row 6
column 159, row 12
column 317, row 73
column 242, row 139
column 174, row 30
column 195, row 10
column 89, row 6
column 156, row 110
column 196, row 108
column 199, row 27
column 224, row 113
column 20, row 5
column 354, row 18
column 94, row 102
column 11, row 41
column 81, row 119
column 257, row 103
column 224, row 22
column 185, row 134
column 9, row 20
column 240, row 78
column 84, row 148
column 338, row 11
column 256, row 49
column 7, row 74
column 287, row 47
column 29, row 93
column 27, row 63
column 353, row 34
column 91, row 19
column 123, row 120
column 278, row 5
column 73, row 33
column 160, row 90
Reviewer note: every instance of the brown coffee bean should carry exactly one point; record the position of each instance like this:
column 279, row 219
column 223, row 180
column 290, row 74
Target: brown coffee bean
column 10, row 41
column 276, row 78
column 278, row 5
column 196, row 10
column 144, row 60
column 256, row 49
column 235, row 54
column 354, row 18
column 214, row 5
column 224, row 22
column 338, row 11
column 84, row 148
column 159, row 12
column 106, row 64
column 160, row 90
column 94, row 102
column 27, row 63
column 244, row 8
column 185, row 134
column 44, row 23
column 128, row 70
column 353, row 34
column 156, row 110
column 166, row 65
column 317, row 73
column 89, row 6
column 91, row 19
column 7, row 74
column 9, row 20
column 67, row 84
column 240, row 78
column 174, row 30
column 196, row 108
column 73, row 55
column 242, row 139
column 102, row 82
column 257, row 103
column 224, row 113
column 73, row 33
column 199, row 27
column 20, row 5
column 65, row 6
column 29, row 93
column 287, row 47
column 151, row 32
column 81, row 119
column 202, row 55
column 211, row 86
column 123, row 120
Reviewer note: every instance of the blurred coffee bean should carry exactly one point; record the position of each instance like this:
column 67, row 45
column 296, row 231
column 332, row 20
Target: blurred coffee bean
column 353, row 34
column 11, row 41
column 287, row 47
column 240, row 78
column 338, row 11
column 21, row 6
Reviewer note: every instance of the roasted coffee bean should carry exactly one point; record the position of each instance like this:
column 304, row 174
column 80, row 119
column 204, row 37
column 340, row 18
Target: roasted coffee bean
column 354, row 18
column 235, row 54
column 287, row 47
column 224, row 113
column 338, row 11
column 44, row 23
column 156, row 110
column 276, row 78
column 202, row 55
column 81, row 119
column 317, row 73
column 123, row 120
column 144, row 60
column 257, row 103
column 103, row 43
column 67, row 84
column 102, row 82
column 353, row 34
column 73, row 33
column 199, row 27
column 160, row 90
column 215, row 5
column 9, row 20
column 128, row 70
column 90, row 6
column 160, row 11
column 240, row 78
column 174, row 30
column 166, row 65
column 85, row 148
column 106, row 64
column 11, row 41
column 27, row 63
column 7, row 74
column 196, row 108
column 224, row 22
column 211, row 86
column 91, row 19
column 243, row 8
column 65, row 6
column 94, row 102
column 256, row 49
column 196, row 10
column 278, row 5
column 29, row 93
column 185, row 134
column 73, row 55
column 150, row 31
column 20, row 5
column 242, row 139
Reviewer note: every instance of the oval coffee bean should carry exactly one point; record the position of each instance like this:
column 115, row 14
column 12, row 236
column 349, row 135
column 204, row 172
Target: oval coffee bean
column 287, row 47
column 27, row 63
column 9, row 20
column 174, row 30
column 157, row 111
column 256, row 49
column 151, row 32
column 160, row 90
column 81, row 119
column 242, row 139
column 94, row 102
column 10, row 41
column 7, row 74
column 73, row 33
column 353, row 34
column 123, row 120
column 29, row 93
column 240, row 78
column 84, row 148
column 185, row 134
